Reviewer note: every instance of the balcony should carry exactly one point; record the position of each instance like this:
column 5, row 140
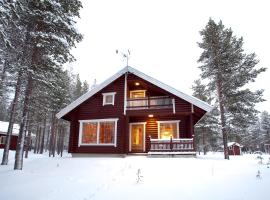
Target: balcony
column 155, row 102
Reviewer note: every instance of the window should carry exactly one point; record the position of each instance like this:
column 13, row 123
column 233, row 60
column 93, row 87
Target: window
column 108, row 98
column 98, row 132
column 2, row 139
column 168, row 129
column 137, row 94
column 230, row 147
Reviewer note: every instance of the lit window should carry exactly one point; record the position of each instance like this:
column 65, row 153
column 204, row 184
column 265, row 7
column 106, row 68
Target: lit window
column 2, row 139
column 168, row 129
column 98, row 132
column 108, row 98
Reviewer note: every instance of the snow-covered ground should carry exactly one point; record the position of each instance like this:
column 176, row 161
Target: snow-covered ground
column 205, row 177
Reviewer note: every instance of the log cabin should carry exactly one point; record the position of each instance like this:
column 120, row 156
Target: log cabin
column 3, row 133
column 132, row 112
column 234, row 148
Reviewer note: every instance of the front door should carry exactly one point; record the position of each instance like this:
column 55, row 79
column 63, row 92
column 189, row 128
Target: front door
column 137, row 137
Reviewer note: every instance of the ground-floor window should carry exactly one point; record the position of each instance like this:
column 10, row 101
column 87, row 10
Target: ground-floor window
column 168, row 129
column 2, row 139
column 98, row 132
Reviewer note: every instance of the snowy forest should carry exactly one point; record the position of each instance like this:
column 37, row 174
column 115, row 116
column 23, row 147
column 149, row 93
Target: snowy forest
column 36, row 38
column 226, row 74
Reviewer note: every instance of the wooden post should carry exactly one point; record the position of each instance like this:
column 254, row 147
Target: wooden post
column 192, row 131
column 171, row 144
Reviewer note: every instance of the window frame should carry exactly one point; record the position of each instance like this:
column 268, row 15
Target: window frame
column 3, row 139
column 134, row 91
column 108, row 94
column 80, row 143
column 169, row 122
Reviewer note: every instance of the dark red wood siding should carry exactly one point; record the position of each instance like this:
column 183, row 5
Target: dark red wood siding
column 13, row 142
column 93, row 109
column 235, row 150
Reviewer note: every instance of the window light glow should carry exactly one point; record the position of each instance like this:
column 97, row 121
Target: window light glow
column 137, row 83
column 150, row 115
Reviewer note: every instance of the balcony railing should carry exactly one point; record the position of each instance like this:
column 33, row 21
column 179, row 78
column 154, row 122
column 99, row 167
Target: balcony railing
column 185, row 145
column 155, row 102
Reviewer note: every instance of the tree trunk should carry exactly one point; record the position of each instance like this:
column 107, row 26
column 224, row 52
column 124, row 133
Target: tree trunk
column 204, row 146
column 43, row 136
column 36, row 139
column 222, row 118
column 52, row 135
column 19, row 149
column 62, row 141
column 39, row 139
column 2, row 78
column 29, row 143
column 12, row 118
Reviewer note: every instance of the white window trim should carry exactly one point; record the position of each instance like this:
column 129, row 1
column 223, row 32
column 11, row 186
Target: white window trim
column 133, row 91
column 144, row 131
column 170, row 121
column 108, row 94
column 98, row 125
column 2, row 139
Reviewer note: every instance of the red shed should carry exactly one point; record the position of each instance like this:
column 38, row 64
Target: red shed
column 234, row 148
column 132, row 112
column 3, row 133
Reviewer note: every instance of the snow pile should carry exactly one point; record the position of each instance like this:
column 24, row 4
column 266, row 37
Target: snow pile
column 136, row 177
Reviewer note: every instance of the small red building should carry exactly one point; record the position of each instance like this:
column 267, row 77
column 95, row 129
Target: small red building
column 132, row 112
column 234, row 148
column 3, row 133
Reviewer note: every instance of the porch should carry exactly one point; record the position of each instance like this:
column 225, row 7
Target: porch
column 183, row 146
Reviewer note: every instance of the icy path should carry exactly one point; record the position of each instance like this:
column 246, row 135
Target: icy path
column 205, row 177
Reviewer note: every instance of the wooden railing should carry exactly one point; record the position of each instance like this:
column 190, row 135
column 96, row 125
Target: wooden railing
column 171, row 145
column 150, row 103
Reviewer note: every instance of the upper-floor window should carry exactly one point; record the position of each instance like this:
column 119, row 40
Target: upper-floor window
column 137, row 94
column 108, row 98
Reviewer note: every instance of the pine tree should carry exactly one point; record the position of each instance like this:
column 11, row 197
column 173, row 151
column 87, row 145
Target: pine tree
column 265, row 127
column 50, row 34
column 228, row 69
column 207, row 128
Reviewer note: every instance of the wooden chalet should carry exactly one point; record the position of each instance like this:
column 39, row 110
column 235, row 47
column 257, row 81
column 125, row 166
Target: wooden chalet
column 132, row 112
column 234, row 148
column 3, row 133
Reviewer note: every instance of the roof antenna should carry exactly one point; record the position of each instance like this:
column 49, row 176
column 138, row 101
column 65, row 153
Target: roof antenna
column 126, row 55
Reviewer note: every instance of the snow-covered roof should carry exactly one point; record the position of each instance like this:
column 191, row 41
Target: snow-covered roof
column 195, row 101
column 4, row 128
column 234, row 143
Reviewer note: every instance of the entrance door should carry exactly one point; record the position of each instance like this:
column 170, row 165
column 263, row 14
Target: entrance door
column 137, row 137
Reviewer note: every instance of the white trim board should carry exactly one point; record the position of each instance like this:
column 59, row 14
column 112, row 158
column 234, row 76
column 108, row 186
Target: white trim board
column 193, row 100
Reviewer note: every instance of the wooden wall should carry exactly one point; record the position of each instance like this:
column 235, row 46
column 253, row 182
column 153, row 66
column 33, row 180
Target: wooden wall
column 13, row 142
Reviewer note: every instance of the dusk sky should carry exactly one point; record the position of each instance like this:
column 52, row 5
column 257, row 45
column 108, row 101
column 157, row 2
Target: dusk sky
column 162, row 37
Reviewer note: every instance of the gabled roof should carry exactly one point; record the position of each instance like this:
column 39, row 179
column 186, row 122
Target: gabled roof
column 234, row 143
column 197, row 102
column 4, row 128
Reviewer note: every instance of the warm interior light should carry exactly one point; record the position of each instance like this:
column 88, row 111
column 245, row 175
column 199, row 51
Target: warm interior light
column 151, row 115
column 137, row 83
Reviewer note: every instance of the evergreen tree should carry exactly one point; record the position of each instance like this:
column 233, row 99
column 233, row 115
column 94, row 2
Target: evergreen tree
column 228, row 69
column 207, row 129
column 265, row 127
column 50, row 34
